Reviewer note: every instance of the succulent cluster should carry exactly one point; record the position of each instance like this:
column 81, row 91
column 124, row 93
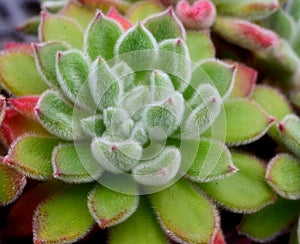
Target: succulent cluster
column 131, row 123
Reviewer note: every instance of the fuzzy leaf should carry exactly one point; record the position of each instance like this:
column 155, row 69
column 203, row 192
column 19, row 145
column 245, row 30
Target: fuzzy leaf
column 125, row 74
column 244, row 81
column 57, row 116
column 75, row 163
column 249, row 9
column 293, row 9
column 45, row 59
column 30, row 26
column 143, row 9
column 124, row 22
column 178, row 221
column 245, row 191
column 116, row 157
column 60, row 28
column 24, row 105
column 213, row 161
column 271, row 220
column 160, row 85
column 72, row 69
column 199, row 45
column 31, row 155
column 159, row 170
column 12, row 184
column 19, row 74
column 283, row 175
column 215, row 73
column 81, row 14
column 165, row 25
column 101, row 37
column 245, row 121
column 110, row 208
column 51, row 221
column 140, row 228
column 93, row 125
column 274, row 103
column 289, row 129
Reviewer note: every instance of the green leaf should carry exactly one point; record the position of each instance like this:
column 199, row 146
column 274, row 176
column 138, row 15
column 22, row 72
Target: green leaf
column 125, row 74
column 19, row 75
column 165, row 25
column 199, row 45
column 246, row 191
column 173, row 207
column 274, row 103
column 75, row 163
column 213, row 161
column 12, row 184
column 271, row 220
column 293, row 9
column 283, row 175
column 143, row 9
column 159, row 170
column 93, row 125
column 60, row 28
column 245, row 121
column 57, row 116
column 63, row 217
column 289, row 129
column 110, row 208
column 31, row 155
column 216, row 73
column 79, row 13
column 101, row 37
column 45, row 58
column 140, row 228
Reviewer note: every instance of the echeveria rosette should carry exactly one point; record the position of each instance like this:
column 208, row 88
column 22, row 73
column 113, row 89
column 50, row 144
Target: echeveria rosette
column 101, row 116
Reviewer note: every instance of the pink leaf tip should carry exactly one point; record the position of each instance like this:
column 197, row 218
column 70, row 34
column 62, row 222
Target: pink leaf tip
column 281, row 127
column 99, row 15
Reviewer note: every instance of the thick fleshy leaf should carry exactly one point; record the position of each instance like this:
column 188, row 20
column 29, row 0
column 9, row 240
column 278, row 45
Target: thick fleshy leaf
column 101, row 37
column 93, row 125
column 293, row 9
column 274, row 103
column 63, row 217
column 249, row 9
column 200, row 15
column 213, row 161
column 116, row 157
column 244, row 81
column 31, row 155
column 72, row 70
column 57, row 116
column 30, row 26
column 165, row 25
column 245, row 191
column 159, row 170
column 15, row 125
column 45, row 59
column 272, row 220
column 245, row 121
column 24, row 105
column 289, row 129
column 245, row 34
column 81, row 14
column 18, row 47
column 19, row 74
column 124, row 22
column 110, row 208
column 75, row 163
column 125, row 75
column 216, row 73
column 141, row 228
column 121, row 5
column 12, row 183
column 60, row 28
column 143, row 9
column 19, row 220
column 173, row 208
column 200, row 45
column 283, row 175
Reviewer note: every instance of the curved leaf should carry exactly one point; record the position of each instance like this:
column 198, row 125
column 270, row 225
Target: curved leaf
column 173, row 208
column 110, row 208
column 283, row 175
column 31, row 155
column 143, row 9
column 63, row 217
column 141, row 228
column 12, row 184
column 245, row 191
column 19, row 75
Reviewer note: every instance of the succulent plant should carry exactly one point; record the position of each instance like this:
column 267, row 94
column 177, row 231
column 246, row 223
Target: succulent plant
column 118, row 119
